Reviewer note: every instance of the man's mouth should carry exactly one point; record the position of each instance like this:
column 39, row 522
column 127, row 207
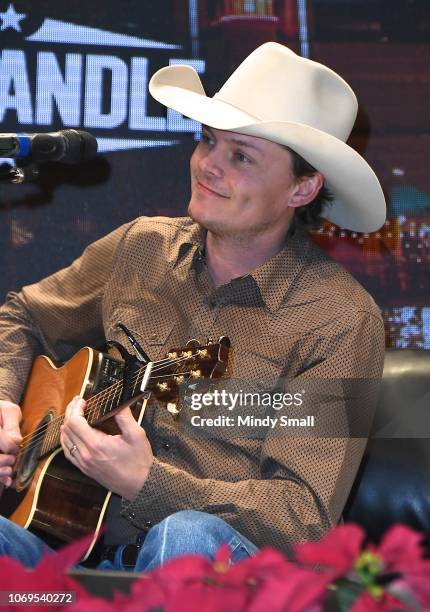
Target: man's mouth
column 207, row 189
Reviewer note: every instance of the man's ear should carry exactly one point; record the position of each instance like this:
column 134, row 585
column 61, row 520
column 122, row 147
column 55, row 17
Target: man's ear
column 306, row 189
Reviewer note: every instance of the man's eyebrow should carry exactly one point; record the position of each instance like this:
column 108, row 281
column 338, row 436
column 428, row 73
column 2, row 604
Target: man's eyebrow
column 238, row 141
column 243, row 143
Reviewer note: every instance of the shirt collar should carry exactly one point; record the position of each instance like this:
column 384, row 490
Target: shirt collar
column 274, row 277
column 192, row 246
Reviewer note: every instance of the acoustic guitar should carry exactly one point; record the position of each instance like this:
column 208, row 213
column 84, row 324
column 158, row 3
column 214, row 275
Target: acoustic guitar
column 54, row 499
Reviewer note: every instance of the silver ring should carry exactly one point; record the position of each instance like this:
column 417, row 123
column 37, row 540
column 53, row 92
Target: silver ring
column 73, row 449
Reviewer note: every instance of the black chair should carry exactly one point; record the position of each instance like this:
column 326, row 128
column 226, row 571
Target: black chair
column 393, row 483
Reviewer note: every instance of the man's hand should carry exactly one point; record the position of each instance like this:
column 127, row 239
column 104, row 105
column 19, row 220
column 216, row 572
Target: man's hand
column 10, row 438
column 120, row 463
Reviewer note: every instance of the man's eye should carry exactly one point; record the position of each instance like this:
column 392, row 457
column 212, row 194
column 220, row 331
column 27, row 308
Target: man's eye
column 206, row 139
column 243, row 159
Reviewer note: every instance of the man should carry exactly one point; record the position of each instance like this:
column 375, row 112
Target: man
column 242, row 266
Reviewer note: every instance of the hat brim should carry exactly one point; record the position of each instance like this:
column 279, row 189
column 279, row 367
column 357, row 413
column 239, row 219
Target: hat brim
column 359, row 202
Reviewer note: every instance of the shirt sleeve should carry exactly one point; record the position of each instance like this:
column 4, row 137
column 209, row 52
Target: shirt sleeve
column 304, row 479
column 56, row 316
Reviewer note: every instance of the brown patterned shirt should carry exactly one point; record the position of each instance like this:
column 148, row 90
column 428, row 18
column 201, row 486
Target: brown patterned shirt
column 299, row 318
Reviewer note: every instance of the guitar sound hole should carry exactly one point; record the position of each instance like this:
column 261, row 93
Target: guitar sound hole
column 30, row 456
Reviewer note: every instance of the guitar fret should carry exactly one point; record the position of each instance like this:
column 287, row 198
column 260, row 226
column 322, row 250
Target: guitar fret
column 136, row 382
column 46, row 439
column 93, row 411
column 46, row 436
column 111, row 400
column 118, row 393
column 54, row 435
column 43, row 448
column 51, row 438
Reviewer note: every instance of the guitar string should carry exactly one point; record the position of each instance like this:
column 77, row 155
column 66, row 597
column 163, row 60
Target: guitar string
column 101, row 395
column 94, row 402
column 112, row 390
column 56, row 422
column 52, row 441
column 108, row 394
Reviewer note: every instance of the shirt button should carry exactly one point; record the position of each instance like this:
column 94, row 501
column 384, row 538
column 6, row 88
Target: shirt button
column 166, row 446
column 132, row 515
column 140, row 539
column 148, row 524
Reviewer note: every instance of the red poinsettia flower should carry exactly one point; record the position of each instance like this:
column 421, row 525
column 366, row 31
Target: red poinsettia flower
column 336, row 552
column 402, row 553
column 265, row 581
column 378, row 569
column 49, row 575
column 386, row 603
column 185, row 583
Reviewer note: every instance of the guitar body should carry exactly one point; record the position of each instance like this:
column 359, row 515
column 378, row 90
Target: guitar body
column 56, row 500
column 61, row 504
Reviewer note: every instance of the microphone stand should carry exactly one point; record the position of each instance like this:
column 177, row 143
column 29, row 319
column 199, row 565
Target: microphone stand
column 19, row 174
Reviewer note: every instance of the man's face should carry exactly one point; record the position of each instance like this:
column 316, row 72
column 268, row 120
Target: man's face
column 240, row 185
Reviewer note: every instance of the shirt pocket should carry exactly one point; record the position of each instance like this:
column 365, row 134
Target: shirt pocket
column 152, row 327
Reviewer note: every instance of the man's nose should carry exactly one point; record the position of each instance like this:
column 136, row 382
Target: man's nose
column 212, row 163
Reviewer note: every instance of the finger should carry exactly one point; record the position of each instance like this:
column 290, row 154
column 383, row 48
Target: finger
column 75, row 424
column 10, row 435
column 10, row 419
column 5, row 471
column 67, row 445
column 67, row 442
column 7, row 481
column 75, row 407
column 130, row 428
column 7, row 460
column 6, row 467
column 7, row 444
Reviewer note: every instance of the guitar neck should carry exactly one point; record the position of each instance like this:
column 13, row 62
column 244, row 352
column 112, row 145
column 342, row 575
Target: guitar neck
column 106, row 403
column 162, row 378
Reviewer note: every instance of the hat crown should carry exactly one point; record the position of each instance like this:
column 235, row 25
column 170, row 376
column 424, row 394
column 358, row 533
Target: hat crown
column 275, row 84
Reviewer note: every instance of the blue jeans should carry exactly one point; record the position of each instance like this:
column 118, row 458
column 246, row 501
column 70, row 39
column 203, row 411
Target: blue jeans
column 181, row 533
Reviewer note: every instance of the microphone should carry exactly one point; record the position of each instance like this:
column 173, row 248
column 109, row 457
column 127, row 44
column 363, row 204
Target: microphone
column 66, row 146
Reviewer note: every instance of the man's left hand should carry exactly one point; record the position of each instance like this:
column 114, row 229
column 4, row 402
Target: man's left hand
column 120, row 463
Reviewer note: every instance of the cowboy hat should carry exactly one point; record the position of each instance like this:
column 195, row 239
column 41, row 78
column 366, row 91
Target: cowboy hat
column 282, row 97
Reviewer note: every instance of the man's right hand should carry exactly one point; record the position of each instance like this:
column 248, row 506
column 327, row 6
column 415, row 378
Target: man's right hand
column 10, row 438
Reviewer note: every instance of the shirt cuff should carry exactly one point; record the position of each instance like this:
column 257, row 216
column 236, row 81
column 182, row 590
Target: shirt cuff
column 166, row 490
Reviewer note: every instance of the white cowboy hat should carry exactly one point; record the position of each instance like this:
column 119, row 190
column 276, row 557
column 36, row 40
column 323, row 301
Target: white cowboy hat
column 278, row 95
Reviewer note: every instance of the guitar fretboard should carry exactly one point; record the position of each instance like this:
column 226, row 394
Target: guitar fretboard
column 103, row 403
column 194, row 361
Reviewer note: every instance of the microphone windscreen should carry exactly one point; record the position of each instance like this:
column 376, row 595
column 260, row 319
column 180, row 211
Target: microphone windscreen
column 80, row 146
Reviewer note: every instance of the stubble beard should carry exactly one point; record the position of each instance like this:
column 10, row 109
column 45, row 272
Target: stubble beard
column 223, row 231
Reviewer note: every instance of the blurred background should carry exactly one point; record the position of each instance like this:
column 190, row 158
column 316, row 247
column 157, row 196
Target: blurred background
column 86, row 65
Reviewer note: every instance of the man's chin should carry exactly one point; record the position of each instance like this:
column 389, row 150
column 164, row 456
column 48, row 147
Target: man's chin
column 215, row 226
column 198, row 215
